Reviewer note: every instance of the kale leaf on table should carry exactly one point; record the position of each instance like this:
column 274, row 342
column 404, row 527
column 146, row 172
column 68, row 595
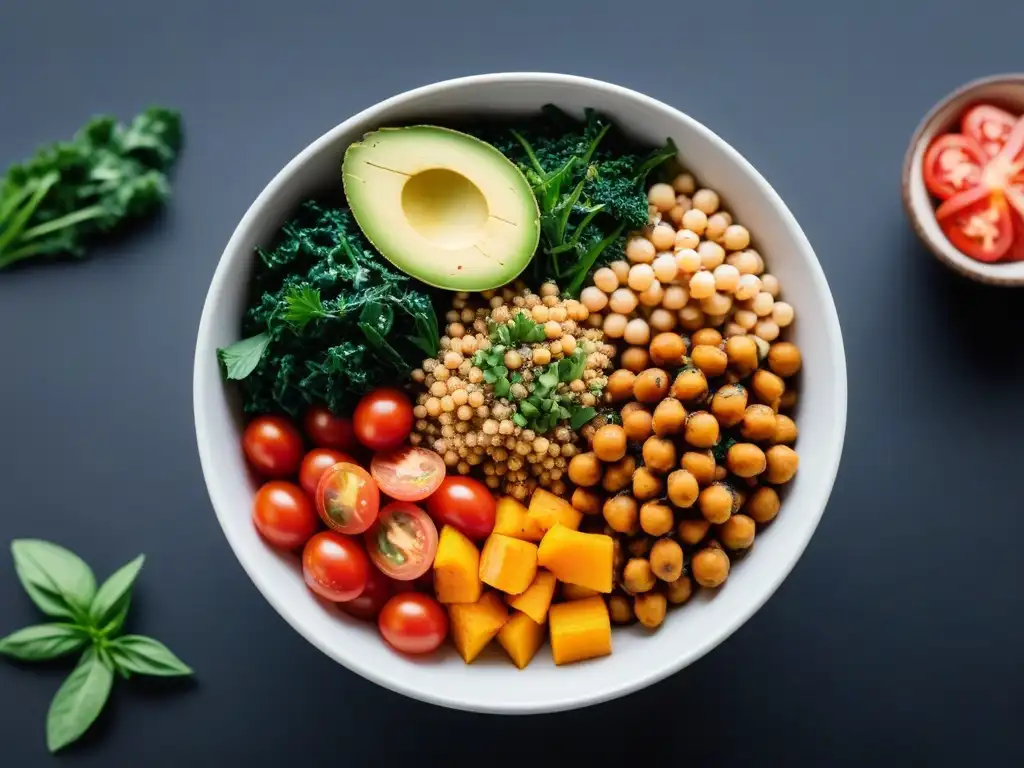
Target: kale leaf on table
column 59, row 200
column 330, row 319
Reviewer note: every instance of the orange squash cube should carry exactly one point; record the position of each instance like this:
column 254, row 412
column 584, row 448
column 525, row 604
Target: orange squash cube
column 474, row 625
column 536, row 600
column 521, row 637
column 456, row 568
column 584, row 559
column 508, row 564
column 580, row 630
column 512, row 519
column 548, row 510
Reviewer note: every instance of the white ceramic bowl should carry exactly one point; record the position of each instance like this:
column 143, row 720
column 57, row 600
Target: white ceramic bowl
column 492, row 684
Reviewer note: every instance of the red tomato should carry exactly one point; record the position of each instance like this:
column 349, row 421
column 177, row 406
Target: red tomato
column 408, row 473
column 413, row 623
column 1007, row 168
column 347, row 498
column 403, row 541
column 329, row 431
column 977, row 222
column 989, row 126
column 335, row 566
column 383, row 419
column 369, row 602
column 952, row 164
column 465, row 504
column 315, row 463
column 283, row 514
column 273, row 446
column 1015, row 196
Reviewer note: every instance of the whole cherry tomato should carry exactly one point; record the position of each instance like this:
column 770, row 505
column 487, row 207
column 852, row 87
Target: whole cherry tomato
column 315, row 463
column 273, row 446
column 283, row 514
column 413, row 623
column 326, row 430
column 463, row 503
column 383, row 419
column 335, row 566
column 367, row 605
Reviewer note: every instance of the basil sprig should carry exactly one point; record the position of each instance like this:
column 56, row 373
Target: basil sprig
column 91, row 620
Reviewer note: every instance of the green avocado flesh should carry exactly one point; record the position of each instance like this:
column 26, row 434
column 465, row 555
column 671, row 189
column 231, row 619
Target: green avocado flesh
column 444, row 207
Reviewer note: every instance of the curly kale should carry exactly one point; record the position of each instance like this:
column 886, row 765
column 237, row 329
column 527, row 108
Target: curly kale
column 329, row 320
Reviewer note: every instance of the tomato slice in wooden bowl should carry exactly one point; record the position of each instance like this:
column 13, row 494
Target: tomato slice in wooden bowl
column 952, row 164
column 978, row 223
column 403, row 541
column 989, row 126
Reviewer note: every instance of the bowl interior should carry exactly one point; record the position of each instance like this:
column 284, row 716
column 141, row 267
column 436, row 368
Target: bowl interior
column 1006, row 91
column 639, row 658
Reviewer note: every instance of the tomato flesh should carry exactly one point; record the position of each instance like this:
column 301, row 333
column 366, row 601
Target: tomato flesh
column 383, row 419
column 464, row 503
column 977, row 222
column 326, row 430
column 283, row 514
column 335, row 566
column 347, row 498
column 413, row 623
column 408, row 473
column 989, row 126
column 403, row 541
column 273, row 446
column 952, row 164
column 375, row 594
column 315, row 463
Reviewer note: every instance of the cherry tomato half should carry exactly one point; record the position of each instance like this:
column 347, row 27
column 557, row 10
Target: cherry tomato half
column 347, row 498
column 464, row 503
column 315, row 463
column 952, row 164
column 283, row 514
column 326, row 430
column 1006, row 169
column 335, row 566
column 403, row 541
column 383, row 419
column 413, row 623
column 369, row 602
column 989, row 126
column 977, row 222
column 408, row 473
column 273, row 446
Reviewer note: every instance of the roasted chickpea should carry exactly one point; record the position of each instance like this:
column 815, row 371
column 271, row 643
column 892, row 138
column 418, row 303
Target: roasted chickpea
column 618, row 552
column 706, row 337
column 711, row 360
column 679, row 591
column 710, row 567
column 692, row 532
column 669, row 417
column 667, row 349
column 784, row 358
column 735, row 533
column 666, row 559
column 700, row 464
column 618, row 476
column 585, row 469
column 742, row 352
column 576, row 592
column 745, row 460
column 638, row 424
column 620, row 385
column 631, row 406
column 646, row 484
column 610, row 442
column 759, row 422
column 682, row 488
column 782, row 464
column 729, row 403
column 717, row 502
column 651, row 385
column 691, row 384
column 637, row 576
column 635, row 359
column 619, row 609
column 767, row 387
column 585, row 500
column 788, row 400
column 701, row 429
column 656, row 519
column 640, row 546
column 659, row 454
column 763, row 504
column 622, row 515
column 785, row 429
column 650, row 609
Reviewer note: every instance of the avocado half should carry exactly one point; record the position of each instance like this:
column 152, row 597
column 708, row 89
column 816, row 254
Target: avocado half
column 442, row 206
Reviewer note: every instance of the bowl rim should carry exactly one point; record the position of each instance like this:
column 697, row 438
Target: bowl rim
column 973, row 270
column 205, row 356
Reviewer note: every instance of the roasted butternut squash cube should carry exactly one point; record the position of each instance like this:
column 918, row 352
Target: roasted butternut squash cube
column 513, row 519
column 521, row 637
column 547, row 510
column 584, row 559
column 580, row 629
column 536, row 600
column 576, row 592
column 457, row 568
column 474, row 625
column 508, row 564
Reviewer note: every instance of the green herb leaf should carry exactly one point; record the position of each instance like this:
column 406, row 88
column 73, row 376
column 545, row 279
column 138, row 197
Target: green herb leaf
column 502, row 387
column 43, row 642
column 242, row 357
column 110, row 606
column 145, row 656
column 490, row 376
column 519, row 419
column 303, row 305
column 528, row 409
column 580, row 417
column 58, row 581
column 79, row 701
column 548, row 379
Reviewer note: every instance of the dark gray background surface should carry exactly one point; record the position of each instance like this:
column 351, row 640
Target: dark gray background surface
column 899, row 634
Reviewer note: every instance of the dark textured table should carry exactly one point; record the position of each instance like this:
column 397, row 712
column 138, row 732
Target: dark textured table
column 898, row 636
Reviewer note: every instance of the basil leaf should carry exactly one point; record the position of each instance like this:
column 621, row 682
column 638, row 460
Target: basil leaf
column 502, row 387
column 43, row 642
column 490, row 376
column 110, row 606
column 528, row 409
column 581, row 416
column 58, row 581
column 242, row 357
column 79, row 701
column 146, row 656
column 519, row 419
column 548, row 379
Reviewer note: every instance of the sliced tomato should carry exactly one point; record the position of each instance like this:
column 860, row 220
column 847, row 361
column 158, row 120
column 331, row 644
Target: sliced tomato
column 952, row 164
column 408, row 473
column 977, row 222
column 347, row 498
column 403, row 541
column 1015, row 196
column 1007, row 168
column 989, row 126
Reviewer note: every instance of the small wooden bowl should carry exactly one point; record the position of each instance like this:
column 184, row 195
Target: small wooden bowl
column 1006, row 91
